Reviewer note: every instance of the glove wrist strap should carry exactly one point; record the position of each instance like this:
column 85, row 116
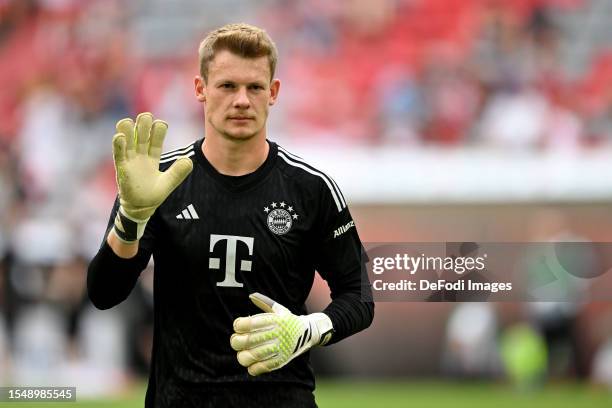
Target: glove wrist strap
column 324, row 327
column 128, row 229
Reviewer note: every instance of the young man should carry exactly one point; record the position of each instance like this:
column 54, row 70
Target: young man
column 232, row 221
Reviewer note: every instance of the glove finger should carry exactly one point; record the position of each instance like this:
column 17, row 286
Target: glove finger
column 254, row 323
column 143, row 129
column 246, row 341
column 158, row 133
column 126, row 126
column 267, row 305
column 256, row 354
column 175, row 175
column 119, row 146
column 262, row 367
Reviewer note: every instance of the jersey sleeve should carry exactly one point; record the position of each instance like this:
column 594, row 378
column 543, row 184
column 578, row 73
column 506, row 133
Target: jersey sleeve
column 340, row 259
column 110, row 278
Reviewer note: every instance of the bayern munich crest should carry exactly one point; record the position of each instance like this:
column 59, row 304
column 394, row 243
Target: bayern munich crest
column 281, row 217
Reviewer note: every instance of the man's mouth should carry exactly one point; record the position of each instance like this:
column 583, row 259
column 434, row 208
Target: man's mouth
column 240, row 118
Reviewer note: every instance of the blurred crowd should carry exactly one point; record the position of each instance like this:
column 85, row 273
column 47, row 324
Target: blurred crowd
column 444, row 73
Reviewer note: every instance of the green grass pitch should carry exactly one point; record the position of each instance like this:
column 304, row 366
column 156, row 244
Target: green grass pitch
column 420, row 394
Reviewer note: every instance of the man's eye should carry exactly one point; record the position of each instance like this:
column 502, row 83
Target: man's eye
column 227, row 86
column 257, row 87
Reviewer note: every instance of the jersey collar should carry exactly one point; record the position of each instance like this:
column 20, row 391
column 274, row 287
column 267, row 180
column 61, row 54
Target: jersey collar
column 237, row 183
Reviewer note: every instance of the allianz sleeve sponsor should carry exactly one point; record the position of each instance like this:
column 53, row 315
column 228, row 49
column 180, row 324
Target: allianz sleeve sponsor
column 344, row 228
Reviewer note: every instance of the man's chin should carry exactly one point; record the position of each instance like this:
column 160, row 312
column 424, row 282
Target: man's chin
column 241, row 134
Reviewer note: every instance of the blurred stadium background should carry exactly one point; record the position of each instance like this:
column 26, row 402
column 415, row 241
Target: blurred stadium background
column 442, row 120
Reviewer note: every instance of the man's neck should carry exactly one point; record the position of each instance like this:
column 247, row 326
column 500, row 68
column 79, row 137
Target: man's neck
column 233, row 158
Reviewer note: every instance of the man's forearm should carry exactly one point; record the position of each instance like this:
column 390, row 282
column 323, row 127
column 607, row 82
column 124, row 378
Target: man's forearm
column 112, row 273
column 349, row 314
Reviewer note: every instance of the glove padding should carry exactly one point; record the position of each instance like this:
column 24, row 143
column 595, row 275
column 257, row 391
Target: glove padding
column 268, row 341
column 142, row 187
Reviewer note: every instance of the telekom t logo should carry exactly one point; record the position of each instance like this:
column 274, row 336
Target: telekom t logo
column 230, row 258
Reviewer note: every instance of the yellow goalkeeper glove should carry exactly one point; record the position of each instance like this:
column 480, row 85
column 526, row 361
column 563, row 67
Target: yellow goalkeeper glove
column 268, row 341
column 142, row 187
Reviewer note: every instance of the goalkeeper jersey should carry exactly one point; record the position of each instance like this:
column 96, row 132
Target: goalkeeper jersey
column 218, row 238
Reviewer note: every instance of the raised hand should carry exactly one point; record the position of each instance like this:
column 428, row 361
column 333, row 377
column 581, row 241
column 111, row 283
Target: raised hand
column 142, row 187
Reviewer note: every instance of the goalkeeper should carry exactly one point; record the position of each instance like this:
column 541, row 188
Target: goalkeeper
column 237, row 227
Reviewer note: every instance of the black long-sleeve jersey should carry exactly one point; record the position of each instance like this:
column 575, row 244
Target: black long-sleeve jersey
column 218, row 238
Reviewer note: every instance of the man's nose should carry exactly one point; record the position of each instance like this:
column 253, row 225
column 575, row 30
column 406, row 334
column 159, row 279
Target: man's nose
column 242, row 99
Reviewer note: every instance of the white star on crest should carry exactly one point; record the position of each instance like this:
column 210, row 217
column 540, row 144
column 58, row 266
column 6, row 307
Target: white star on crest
column 295, row 216
column 290, row 208
column 273, row 205
column 266, row 210
column 282, row 204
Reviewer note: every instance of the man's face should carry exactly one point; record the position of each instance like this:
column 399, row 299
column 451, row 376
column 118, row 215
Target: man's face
column 237, row 95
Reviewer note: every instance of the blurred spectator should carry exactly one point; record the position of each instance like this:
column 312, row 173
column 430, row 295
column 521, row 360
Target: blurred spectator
column 45, row 147
column 452, row 97
column 471, row 342
column 88, row 211
column 514, row 119
column 40, row 346
column 401, row 102
column 562, row 293
column 602, row 365
column 100, row 365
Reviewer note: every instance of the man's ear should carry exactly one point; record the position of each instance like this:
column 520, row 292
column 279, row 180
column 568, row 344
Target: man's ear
column 274, row 89
column 200, row 88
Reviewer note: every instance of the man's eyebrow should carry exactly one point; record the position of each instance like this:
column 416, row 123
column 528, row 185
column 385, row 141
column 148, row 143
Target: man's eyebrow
column 223, row 81
column 248, row 83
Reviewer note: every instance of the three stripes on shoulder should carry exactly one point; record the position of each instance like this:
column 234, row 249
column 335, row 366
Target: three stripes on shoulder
column 172, row 155
column 188, row 213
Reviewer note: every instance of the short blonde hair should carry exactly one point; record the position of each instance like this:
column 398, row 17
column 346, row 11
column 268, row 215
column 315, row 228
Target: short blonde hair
column 241, row 39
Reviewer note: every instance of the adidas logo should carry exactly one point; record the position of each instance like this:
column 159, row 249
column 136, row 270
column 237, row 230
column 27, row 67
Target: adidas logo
column 188, row 213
